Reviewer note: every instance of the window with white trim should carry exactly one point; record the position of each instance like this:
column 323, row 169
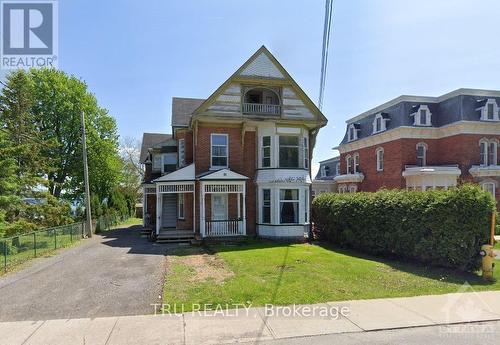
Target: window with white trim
column 322, row 171
column 490, row 187
column 157, row 159
column 289, row 151
column 306, row 153
column 355, row 164
column 266, row 206
column 181, row 206
column 342, row 189
column 490, row 111
column 169, row 162
column 422, row 117
column 353, row 188
column 421, row 154
column 337, row 169
column 352, row 132
column 306, row 205
column 182, row 153
column 380, row 158
column 219, row 151
column 289, row 206
column 348, row 161
column 379, row 123
column 266, row 151
column 488, row 152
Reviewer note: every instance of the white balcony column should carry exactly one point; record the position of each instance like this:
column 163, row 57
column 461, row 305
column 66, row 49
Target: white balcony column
column 159, row 200
column 202, row 209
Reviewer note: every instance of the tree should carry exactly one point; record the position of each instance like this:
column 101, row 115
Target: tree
column 9, row 201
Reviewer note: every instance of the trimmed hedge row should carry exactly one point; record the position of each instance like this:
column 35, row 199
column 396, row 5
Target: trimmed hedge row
column 442, row 228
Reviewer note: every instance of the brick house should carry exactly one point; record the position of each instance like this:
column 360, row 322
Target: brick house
column 419, row 143
column 238, row 162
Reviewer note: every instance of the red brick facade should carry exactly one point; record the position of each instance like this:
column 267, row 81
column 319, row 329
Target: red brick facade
column 462, row 149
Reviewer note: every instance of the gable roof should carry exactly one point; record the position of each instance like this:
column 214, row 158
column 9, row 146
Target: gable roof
column 149, row 140
column 257, row 66
column 183, row 174
column 182, row 109
column 223, row 174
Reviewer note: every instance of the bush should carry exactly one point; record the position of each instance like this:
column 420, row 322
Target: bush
column 442, row 228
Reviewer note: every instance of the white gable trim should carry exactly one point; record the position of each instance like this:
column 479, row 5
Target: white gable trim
column 184, row 174
column 224, row 174
column 262, row 66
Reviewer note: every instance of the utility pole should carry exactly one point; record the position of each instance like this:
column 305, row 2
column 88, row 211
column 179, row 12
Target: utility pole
column 86, row 179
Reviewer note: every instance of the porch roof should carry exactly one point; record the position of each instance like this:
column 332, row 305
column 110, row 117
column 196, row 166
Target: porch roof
column 183, row 174
column 223, row 174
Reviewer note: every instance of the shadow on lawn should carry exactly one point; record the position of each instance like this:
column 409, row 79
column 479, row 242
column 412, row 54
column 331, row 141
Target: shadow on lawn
column 442, row 274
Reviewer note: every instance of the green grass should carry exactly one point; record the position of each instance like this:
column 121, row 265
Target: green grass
column 302, row 273
column 129, row 222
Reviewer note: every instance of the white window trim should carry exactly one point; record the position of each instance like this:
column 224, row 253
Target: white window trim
column 299, row 146
column 424, row 145
column 342, row 189
column 305, row 143
column 348, row 164
column 487, row 143
column 337, row 169
column 484, row 110
column 182, row 153
column 262, row 151
column 428, row 116
column 353, row 188
column 355, row 163
column 355, row 133
column 290, row 201
column 163, row 160
column 489, row 183
column 380, row 162
column 270, row 206
column 157, row 158
column 179, row 197
column 383, row 125
column 215, row 167
column 323, row 171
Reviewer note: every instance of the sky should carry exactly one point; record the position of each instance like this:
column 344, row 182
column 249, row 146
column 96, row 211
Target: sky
column 136, row 55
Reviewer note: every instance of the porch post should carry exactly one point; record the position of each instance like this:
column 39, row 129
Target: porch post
column 238, row 196
column 194, row 207
column 202, row 209
column 158, row 209
column 144, row 206
column 244, row 210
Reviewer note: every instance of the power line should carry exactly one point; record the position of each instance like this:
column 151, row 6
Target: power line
column 324, row 53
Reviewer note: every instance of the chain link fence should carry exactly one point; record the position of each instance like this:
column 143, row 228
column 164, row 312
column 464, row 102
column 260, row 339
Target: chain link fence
column 105, row 223
column 17, row 249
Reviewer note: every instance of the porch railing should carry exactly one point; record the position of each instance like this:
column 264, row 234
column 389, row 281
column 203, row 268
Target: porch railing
column 258, row 108
column 229, row 227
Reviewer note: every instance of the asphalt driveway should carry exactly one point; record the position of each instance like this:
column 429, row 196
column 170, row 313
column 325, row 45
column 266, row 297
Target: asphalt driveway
column 118, row 273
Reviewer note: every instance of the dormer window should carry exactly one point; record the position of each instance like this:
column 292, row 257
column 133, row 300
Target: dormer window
column 352, row 132
column 380, row 123
column 422, row 116
column 490, row 110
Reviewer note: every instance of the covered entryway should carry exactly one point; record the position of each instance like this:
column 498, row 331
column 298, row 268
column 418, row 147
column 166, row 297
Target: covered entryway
column 222, row 208
column 172, row 192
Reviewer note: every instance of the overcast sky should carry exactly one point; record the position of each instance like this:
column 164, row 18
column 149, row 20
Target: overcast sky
column 136, row 55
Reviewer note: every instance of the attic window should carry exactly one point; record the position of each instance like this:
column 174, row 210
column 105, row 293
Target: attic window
column 422, row 116
column 380, row 123
column 352, row 132
column 489, row 111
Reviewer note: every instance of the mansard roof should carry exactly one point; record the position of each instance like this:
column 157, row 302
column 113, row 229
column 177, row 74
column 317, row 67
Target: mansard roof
column 458, row 105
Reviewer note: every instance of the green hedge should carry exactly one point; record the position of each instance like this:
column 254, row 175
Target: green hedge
column 441, row 228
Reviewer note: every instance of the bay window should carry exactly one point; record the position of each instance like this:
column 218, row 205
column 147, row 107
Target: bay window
column 288, row 152
column 266, row 206
column 266, row 152
column 488, row 152
column 219, row 152
column 289, row 206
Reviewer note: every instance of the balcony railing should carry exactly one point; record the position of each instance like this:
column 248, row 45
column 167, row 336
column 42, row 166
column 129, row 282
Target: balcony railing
column 229, row 227
column 258, row 108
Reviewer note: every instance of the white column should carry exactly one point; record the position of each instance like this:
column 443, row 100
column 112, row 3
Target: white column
column 194, row 207
column 238, row 196
column 158, row 210
column 202, row 209
column 244, row 210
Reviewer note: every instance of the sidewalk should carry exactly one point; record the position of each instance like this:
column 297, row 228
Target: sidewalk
column 254, row 324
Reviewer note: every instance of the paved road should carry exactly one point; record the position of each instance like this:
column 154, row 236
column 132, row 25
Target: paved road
column 118, row 273
column 459, row 334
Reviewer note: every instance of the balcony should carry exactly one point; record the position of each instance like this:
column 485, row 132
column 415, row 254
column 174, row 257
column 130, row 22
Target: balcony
column 431, row 177
column 415, row 170
column 350, row 178
column 259, row 108
column 485, row 170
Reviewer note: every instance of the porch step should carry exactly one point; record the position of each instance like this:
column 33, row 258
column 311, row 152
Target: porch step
column 175, row 236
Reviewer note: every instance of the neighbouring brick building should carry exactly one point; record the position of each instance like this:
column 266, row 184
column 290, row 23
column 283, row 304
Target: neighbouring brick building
column 238, row 162
column 419, row 143
column 324, row 182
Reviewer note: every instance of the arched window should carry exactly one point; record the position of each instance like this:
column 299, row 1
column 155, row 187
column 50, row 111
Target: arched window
column 490, row 187
column 421, row 154
column 352, row 132
column 380, row 122
column 490, row 110
column 355, row 163
column 261, row 100
column 380, row 158
column 348, row 161
column 353, row 188
column 422, row 116
column 342, row 189
column 488, row 151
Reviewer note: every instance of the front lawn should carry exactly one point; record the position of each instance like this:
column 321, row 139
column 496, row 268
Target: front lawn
column 266, row 272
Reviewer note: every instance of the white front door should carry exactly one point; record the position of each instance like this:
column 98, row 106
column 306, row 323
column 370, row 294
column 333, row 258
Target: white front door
column 219, row 207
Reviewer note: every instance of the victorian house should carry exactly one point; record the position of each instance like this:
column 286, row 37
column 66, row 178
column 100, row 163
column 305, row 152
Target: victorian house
column 238, row 162
column 421, row 143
